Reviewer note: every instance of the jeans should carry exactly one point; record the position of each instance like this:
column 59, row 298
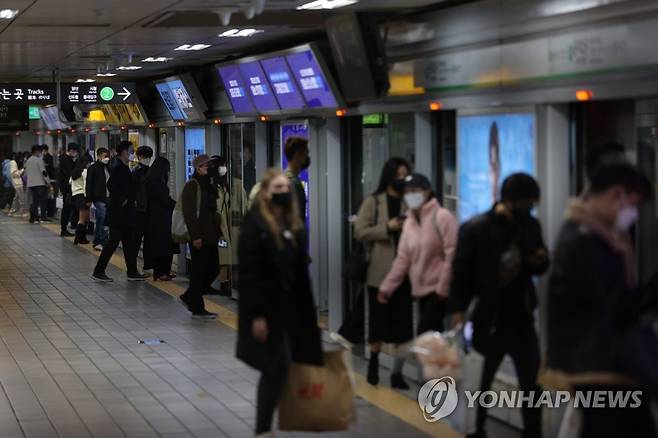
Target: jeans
column 126, row 236
column 39, row 201
column 100, row 232
column 205, row 268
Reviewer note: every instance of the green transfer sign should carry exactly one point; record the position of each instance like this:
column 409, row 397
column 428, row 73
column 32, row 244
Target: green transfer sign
column 107, row 93
column 33, row 112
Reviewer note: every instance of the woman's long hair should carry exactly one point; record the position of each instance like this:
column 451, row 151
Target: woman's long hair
column 265, row 207
column 389, row 171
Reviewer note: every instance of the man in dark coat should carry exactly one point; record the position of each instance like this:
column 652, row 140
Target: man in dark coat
column 297, row 154
column 121, row 218
column 158, row 248
column 595, row 303
column 144, row 155
column 66, row 165
column 497, row 255
column 96, row 192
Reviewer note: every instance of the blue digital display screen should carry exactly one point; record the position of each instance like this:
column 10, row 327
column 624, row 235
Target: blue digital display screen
column 258, row 86
column 169, row 100
column 314, row 84
column 283, row 83
column 236, row 89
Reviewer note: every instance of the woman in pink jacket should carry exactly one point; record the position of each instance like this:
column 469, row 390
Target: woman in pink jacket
column 427, row 246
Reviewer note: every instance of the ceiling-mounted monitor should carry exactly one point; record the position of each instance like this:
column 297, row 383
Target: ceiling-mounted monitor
column 314, row 80
column 283, row 83
column 52, row 117
column 236, row 89
column 182, row 98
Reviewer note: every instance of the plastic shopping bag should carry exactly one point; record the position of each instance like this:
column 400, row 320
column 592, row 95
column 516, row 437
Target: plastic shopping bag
column 59, row 202
column 319, row 398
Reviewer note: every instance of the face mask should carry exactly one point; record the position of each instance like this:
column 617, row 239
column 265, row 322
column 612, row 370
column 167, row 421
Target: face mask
column 145, row 161
column 307, row 163
column 105, row 161
column 626, row 218
column 398, row 185
column 74, row 158
column 521, row 212
column 414, row 200
column 222, row 170
column 281, row 199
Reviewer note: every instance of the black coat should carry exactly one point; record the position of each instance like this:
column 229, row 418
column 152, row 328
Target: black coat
column 121, row 209
column 66, row 165
column 476, row 273
column 157, row 239
column 275, row 284
column 96, row 184
column 139, row 181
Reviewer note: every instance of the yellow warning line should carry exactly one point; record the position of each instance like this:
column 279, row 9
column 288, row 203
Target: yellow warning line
column 383, row 398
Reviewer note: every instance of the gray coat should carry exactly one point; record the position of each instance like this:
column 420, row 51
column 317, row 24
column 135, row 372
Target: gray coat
column 371, row 227
column 35, row 169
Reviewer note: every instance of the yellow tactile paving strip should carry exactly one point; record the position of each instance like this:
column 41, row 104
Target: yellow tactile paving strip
column 385, row 399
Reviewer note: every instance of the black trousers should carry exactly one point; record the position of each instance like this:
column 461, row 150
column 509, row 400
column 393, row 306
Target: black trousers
column 432, row 312
column 522, row 345
column 126, row 236
column 205, row 268
column 7, row 197
column 39, row 202
column 162, row 265
column 67, row 211
column 270, row 389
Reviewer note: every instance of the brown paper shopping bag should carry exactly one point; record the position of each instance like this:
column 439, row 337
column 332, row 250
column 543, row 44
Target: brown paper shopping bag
column 316, row 398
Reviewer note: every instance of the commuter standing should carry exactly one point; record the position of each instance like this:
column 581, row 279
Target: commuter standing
column 66, row 165
column 297, row 154
column 158, row 246
column 37, row 183
column 8, row 192
column 16, row 171
column 78, row 194
column 121, row 217
column 497, row 255
column 50, row 168
column 199, row 200
column 97, row 194
column 595, row 302
column 144, row 154
column 378, row 225
column 277, row 316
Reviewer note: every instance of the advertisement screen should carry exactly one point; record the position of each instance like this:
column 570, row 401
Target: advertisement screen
column 169, row 101
column 195, row 144
column 314, row 85
column 258, row 87
column 236, row 90
column 490, row 148
column 50, row 116
column 283, row 84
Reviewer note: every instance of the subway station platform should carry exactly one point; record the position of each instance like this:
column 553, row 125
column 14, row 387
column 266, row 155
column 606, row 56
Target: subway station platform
column 71, row 364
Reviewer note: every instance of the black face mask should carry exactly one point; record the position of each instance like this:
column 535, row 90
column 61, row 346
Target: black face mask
column 281, row 199
column 521, row 213
column 307, row 163
column 398, row 185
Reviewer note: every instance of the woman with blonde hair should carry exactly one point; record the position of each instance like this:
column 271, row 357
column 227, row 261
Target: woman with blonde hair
column 277, row 315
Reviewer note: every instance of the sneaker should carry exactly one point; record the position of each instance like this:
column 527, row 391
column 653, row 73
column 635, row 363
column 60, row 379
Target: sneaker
column 205, row 315
column 65, row 233
column 181, row 299
column 98, row 247
column 101, row 277
column 136, row 277
column 338, row 339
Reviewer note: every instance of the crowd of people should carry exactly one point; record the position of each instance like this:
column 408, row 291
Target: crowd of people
column 483, row 271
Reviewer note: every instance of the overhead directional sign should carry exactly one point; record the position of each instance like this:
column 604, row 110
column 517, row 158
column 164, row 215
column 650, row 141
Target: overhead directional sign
column 115, row 92
column 28, row 94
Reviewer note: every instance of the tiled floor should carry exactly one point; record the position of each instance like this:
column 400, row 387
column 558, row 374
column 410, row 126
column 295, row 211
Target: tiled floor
column 71, row 365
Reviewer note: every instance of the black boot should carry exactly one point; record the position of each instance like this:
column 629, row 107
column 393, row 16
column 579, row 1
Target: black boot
column 80, row 237
column 397, row 382
column 373, row 369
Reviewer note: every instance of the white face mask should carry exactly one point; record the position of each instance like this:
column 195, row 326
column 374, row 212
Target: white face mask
column 145, row 161
column 626, row 218
column 105, row 161
column 414, row 200
column 222, row 170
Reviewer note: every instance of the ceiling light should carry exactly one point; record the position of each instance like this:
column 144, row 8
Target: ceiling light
column 157, row 59
column 187, row 47
column 129, row 67
column 105, row 75
column 8, row 14
column 80, row 81
column 326, row 4
column 237, row 33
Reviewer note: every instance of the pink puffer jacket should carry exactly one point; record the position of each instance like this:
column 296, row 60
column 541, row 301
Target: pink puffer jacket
column 423, row 254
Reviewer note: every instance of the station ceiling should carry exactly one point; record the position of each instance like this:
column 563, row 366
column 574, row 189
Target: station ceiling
column 82, row 38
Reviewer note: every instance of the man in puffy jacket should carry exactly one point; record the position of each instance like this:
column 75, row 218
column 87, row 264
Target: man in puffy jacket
column 497, row 255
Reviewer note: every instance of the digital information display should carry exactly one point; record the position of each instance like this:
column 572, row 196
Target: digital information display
column 178, row 100
column 314, row 84
column 24, row 94
column 236, row 90
column 283, row 84
column 169, row 101
column 258, row 86
column 116, row 92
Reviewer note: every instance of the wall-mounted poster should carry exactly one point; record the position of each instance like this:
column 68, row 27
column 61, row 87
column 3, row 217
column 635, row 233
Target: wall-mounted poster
column 490, row 148
column 195, row 144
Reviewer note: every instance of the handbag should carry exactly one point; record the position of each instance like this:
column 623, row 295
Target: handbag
column 179, row 231
column 358, row 261
column 319, row 398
